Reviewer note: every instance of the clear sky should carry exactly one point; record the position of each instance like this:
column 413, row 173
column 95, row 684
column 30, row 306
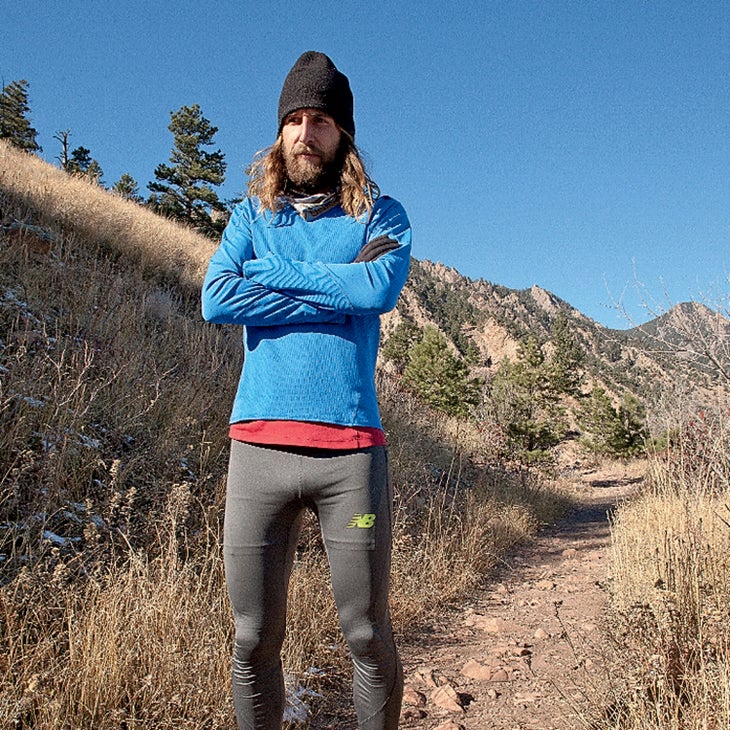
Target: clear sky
column 580, row 145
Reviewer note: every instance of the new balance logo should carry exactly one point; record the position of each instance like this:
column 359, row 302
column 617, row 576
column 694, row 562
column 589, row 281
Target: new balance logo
column 363, row 521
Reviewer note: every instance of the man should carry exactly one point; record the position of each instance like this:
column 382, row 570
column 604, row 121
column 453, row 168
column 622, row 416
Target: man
column 308, row 262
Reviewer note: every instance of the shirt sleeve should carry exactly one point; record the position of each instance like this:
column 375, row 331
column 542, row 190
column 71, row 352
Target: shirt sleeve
column 352, row 289
column 228, row 297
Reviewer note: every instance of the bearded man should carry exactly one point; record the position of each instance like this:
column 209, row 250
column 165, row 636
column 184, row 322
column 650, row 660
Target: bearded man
column 307, row 264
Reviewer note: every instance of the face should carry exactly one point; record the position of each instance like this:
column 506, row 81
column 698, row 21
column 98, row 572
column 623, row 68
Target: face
column 310, row 144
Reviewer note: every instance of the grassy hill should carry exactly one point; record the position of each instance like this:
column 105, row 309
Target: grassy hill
column 114, row 399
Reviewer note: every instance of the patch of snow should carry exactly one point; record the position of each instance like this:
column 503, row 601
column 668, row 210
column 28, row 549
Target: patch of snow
column 88, row 442
column 72, row 517
column 58, row 540
column 297, row 710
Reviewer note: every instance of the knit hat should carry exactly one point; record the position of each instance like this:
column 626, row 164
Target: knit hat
column 314, row 82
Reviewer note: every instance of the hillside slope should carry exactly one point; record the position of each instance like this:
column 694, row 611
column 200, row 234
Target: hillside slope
column 114, row 401
column 685, row 351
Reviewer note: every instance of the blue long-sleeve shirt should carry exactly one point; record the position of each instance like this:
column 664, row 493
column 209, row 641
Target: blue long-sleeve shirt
column 311, row 317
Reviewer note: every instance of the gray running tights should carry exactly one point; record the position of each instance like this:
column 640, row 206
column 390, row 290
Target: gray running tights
column 268, row 491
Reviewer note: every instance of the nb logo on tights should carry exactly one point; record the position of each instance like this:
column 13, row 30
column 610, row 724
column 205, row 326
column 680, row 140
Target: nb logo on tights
column 363, row 521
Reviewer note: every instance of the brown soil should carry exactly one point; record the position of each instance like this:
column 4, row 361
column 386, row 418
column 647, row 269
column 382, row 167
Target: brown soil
column 530, row 650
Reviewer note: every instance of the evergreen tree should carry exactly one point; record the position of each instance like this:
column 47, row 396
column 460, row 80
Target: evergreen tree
column 612, row 431
column 14, row 121
column 634, row 433
column 597, row 417
column 82, row 164
column 567, row 358
column 127, row 188
column 184, row 189
column 527, row 403
column 397, row 348
column 439, row 378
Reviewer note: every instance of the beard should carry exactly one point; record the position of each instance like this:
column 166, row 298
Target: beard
column 312, row 175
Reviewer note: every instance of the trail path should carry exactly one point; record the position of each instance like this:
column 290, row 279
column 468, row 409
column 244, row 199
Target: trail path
column 528, row 652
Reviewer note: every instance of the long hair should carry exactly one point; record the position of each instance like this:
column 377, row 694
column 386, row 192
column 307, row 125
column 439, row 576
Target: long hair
column 268, row 179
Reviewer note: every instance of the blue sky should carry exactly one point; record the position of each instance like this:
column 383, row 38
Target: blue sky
column 581, row 146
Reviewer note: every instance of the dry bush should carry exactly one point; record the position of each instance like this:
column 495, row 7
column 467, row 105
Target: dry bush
column 136, row 646
column 112, row 458
column 105, row 402
column 457, row 509
column 671, row 587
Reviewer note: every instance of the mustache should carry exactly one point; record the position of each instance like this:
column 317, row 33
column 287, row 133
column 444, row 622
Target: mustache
column 302, row 149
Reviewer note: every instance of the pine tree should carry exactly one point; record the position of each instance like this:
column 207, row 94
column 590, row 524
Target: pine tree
column 397, row 348
column 612, row 431
column 527, row 403
column 82, row 164
column 567, row 358
column 597, row 418
column 439, row 378
column 127, row 188
column 183, row 189
column 14, row 121
column 634, row 433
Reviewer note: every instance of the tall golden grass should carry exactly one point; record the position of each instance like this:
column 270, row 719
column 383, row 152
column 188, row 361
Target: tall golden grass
column 74, row 206
column 114, row 398
column 671, row 586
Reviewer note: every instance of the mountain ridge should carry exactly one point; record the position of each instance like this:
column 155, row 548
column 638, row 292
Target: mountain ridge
column 686, row 345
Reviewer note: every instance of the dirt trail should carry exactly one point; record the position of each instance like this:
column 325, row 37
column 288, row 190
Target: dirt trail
column 527, row 652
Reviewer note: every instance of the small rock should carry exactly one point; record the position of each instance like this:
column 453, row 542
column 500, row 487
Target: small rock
column 569, row 553
column 446, row 698
column 545, row 585
column 474, row 670
column 412, row 696
column 413, row 713
column 499, row 649
column 500, row 676
column 426, row 676
column 490, row 624
column 493, row 694
column 541, row 634
column 522, row 666
column 449, row 725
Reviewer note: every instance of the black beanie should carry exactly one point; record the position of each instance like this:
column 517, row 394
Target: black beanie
column 314, row 82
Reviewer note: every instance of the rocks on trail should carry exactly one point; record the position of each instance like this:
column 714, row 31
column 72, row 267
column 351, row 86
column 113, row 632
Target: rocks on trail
column 529, row 653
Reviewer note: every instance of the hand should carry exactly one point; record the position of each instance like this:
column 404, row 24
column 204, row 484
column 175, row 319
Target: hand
column 376, row 248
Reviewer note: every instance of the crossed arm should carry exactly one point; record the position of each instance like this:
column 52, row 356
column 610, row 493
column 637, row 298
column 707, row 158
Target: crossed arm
column 273, row 290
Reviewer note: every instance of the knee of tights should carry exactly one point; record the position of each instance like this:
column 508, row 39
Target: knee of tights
column 363, row 638
column 253, row 645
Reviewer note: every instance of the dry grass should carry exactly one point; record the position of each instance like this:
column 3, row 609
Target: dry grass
column 114, row 397
column 671, row 587
column 126, row 647
column 45, row 195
